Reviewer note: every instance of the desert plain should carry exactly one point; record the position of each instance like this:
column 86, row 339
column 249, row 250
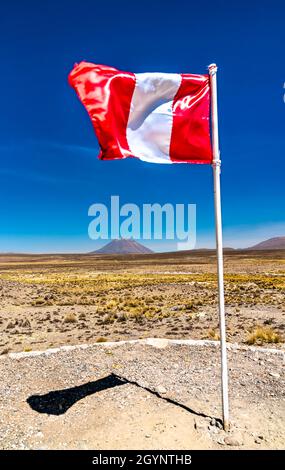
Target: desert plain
column 52, row 300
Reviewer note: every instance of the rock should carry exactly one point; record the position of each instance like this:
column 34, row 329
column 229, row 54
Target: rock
column 200, row 425
column 161, row 390
column 275, row 375
column 213, row 429
column 232, row 441
column 219, row 425
column 221, row 441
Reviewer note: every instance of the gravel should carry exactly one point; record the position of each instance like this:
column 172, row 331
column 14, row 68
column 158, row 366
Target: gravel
column 49, row 399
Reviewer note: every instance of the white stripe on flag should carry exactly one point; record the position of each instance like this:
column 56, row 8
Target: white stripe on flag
column 150, row 120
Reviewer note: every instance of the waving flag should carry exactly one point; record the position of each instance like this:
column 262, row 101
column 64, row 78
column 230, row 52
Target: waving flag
column 156, row 117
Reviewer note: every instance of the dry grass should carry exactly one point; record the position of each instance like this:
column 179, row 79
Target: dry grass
column 70, row 318
column 101, row 339
column 262, row 335
column 213, row 335
column 38, row 302
column 112, row 290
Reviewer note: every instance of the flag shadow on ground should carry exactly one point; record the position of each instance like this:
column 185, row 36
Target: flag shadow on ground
column 59, row 401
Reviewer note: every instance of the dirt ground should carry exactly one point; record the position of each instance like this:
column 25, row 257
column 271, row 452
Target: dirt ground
column 154, row 395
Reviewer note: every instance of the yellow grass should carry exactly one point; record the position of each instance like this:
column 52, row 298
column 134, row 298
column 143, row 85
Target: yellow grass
column 213, row 334
column 262, row 335
column 101, row 339
column 70, row 318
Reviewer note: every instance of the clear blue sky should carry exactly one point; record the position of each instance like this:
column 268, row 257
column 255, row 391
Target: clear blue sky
column 49, row 171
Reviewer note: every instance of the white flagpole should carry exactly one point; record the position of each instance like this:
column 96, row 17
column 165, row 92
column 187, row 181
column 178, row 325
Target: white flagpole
column 219, row 242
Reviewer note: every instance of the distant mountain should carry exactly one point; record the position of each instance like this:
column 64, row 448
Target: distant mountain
column 276, row 243
column 123, row 246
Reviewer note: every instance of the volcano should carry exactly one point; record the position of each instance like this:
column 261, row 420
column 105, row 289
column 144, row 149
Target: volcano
column 123, row 246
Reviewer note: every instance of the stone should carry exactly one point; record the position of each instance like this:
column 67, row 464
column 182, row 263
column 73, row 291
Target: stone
column 213, row 429
column 161, row 390
column 232, row 441
column 221, row 441
column 275, row 375
column 200, row 425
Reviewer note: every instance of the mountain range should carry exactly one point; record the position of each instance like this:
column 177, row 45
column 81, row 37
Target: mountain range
column 123, row 246
column 276, row 243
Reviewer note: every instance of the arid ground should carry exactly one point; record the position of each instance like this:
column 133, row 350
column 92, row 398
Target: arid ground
column 49, row 301
column 134, row 395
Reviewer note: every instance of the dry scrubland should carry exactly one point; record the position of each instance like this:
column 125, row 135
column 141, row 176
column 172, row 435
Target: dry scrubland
column 48, row 301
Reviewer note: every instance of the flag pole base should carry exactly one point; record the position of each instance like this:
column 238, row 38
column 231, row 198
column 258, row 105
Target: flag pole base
column 226, row 426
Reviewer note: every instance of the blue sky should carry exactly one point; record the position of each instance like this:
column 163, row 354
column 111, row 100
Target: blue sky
column 50, row 175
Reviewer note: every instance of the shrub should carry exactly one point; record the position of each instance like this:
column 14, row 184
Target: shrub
column 70, row 318
column 108, row 318
column 101, row 339
column 213, row 334
column 262, row 335
column 122, row 316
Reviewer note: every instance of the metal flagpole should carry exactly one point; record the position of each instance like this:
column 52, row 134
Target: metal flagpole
column 219, row 242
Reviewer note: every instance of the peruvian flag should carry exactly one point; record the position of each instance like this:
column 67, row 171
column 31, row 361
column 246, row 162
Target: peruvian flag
column 156, row 117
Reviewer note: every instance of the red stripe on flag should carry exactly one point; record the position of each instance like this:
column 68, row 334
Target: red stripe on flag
column 106, row 94
column 190, row 137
